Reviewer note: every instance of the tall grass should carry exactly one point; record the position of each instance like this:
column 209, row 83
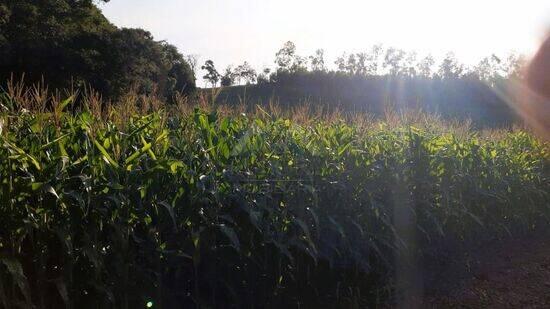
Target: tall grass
column 120, row 205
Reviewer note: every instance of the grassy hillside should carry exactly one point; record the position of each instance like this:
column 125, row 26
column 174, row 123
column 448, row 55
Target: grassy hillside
column 112, row 207
column 461, row 99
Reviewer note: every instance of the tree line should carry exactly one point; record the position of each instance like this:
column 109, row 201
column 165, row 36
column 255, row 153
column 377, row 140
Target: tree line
column 377, row 61
column 70, row 44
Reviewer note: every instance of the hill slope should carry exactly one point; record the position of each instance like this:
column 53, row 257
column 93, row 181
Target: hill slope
column 459, row 98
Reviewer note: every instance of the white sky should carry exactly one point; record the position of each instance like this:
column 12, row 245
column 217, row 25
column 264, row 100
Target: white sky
column 232, row 31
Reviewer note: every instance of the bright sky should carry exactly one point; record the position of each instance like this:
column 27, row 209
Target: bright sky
column 232, row 31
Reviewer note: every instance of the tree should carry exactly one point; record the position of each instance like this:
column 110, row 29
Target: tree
column 317, row 61
column 299, row 64
column 352, row 64
column 285, row 56
column 288, row 61
column 341, row 63
column 514, row 65
column 52, row 39
column 212, row 76
column 246, row 73
column 180, row 76
column 494, row 69
column 193, row 61
column 489, row 70
column 409, row 65
column 450, row 68
column 393, row 61
column 228, row 77
column 70, row 43
column 372, row 63
column 365, row 63
column 361, row 64
column 424, row 67
column 263, row 78
column 136, row 61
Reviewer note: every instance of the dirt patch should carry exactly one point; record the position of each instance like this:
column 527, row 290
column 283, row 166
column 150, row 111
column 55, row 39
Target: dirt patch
column 511, row 274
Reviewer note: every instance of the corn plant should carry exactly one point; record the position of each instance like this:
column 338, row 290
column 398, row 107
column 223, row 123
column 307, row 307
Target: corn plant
column 236, row 211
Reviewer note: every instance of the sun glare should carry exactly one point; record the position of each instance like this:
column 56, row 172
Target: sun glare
column 256, row 29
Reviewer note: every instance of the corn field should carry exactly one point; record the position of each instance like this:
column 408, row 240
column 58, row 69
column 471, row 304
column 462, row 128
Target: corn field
column 214, row 211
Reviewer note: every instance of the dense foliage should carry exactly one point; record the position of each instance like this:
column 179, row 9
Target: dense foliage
column 70, row 43
column 204, row 210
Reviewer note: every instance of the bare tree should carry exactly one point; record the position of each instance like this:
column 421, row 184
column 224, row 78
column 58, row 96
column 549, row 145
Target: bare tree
column 193, row 61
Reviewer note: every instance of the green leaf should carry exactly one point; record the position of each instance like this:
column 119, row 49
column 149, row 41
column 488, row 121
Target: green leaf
column 36, row 185
column 105, row 154
column 54, row 141
column 343, row 149
column 141, row 128
column 21, row 152
column 138, row 153
column 175, row 165
column 66, row 102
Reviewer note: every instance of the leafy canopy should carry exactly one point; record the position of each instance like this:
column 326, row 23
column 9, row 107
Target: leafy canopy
column 70, row 43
